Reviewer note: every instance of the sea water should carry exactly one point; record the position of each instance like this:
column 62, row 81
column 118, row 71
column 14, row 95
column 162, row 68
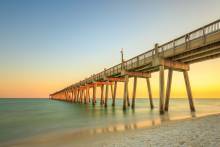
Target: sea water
column 22, row 118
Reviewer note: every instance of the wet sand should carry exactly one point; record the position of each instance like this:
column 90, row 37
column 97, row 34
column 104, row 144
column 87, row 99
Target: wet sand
column 195, row 132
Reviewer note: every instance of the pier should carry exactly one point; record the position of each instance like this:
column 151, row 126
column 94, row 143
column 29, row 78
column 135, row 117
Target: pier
column 175, row 56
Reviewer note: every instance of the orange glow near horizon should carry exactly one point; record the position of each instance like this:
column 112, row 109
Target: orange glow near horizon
column 204, row 78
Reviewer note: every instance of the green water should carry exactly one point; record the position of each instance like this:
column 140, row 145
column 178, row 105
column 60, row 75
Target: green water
column 21, row 118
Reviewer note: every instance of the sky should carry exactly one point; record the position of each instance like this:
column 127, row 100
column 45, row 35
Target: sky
column 46, row 45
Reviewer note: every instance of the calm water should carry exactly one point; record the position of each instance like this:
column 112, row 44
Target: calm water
column 21, row 118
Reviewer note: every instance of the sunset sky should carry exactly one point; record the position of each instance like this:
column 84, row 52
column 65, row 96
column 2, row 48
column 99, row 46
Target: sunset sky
column 46, row 45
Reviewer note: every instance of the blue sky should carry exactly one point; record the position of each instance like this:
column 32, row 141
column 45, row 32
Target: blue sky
column 63, row 41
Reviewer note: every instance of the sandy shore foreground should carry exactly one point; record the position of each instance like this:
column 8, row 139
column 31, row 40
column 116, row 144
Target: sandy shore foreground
column 204, row 131
column 198, row 132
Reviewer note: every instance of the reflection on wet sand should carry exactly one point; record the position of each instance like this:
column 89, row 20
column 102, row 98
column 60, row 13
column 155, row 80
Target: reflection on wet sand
column 154, row 121
column 139, row 124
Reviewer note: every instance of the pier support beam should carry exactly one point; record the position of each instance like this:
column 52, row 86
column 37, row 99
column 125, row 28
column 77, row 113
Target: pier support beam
column 72, row 94
column 81, row 96
column 134, row 93
column 125, row 92
column 78, row 95
column 112, row 91
column 75, row 99
column 150, row 93
column 102, row 95
column 114, row 94
column 161, row 77
column 128, row 99
column 65, row 93
column 169, row 81
column 189, row 92
column 106, row 95
column 94, row 94
column 87, row 95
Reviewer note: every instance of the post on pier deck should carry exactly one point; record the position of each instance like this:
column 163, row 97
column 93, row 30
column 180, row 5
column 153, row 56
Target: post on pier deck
column 102, row 95
column 125, row 92
column 150, row 93
column 114, row 95
column 106, row 95
column 169, row 81
column 189, row 92
column 134, row 93
column 161, row 72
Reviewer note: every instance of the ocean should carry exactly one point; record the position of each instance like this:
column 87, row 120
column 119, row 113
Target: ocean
column 23, row 118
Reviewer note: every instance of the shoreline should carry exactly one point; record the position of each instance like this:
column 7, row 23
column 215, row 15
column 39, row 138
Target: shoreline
column 109, row 137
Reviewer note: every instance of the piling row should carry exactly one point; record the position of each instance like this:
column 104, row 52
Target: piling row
column 81, row 94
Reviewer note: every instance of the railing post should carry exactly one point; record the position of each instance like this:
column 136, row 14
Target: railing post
column 187, row 39
column 156, row 50
column 204, row 35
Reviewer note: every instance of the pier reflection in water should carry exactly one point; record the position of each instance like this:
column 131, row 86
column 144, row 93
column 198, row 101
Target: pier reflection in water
column 139, row 125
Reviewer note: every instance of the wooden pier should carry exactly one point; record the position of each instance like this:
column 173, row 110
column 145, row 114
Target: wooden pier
column 199, row 45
